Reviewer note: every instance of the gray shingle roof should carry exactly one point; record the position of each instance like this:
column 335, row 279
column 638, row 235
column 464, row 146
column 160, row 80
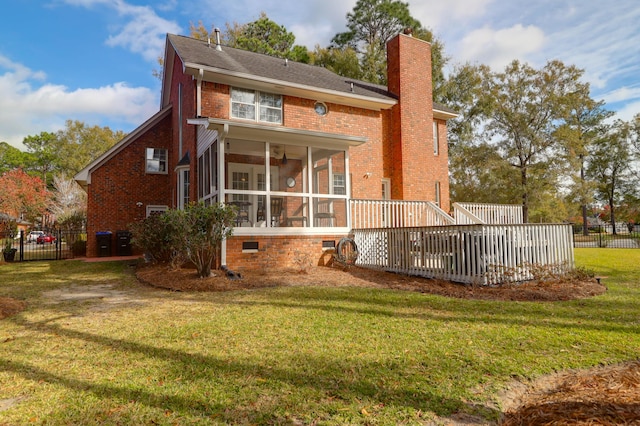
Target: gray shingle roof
column 268, row 67
column 238, row 61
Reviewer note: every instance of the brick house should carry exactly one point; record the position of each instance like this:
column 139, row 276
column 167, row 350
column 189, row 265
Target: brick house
column 289, row 144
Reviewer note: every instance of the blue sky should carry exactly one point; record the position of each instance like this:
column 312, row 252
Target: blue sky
column 92, row 60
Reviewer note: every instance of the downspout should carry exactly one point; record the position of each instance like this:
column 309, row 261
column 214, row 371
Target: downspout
column 180, row 121
column 199, row 93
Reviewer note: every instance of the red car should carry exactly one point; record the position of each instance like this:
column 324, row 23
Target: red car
column 48, row 238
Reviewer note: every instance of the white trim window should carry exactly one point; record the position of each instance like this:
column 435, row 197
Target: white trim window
column 184, row 177
column 436, row 138
column 245, row 103
column 156, row 160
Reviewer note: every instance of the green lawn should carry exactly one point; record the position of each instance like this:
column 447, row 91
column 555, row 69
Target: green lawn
column 294, row 355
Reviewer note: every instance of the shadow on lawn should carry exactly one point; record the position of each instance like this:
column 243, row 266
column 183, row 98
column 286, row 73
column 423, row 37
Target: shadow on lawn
column 596, row 314
column 343, row 384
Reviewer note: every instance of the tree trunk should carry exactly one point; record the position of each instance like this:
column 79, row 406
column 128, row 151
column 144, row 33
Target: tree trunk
column 613, row 217
column 525, row 195
column 585, row 225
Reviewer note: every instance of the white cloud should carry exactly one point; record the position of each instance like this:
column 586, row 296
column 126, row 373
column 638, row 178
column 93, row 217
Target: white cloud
column 437, row 14
column 20, row 72
column 497, row 48
column 30, row 106
column 628, row 111
column 317, row 22
column 143, row 31
column 622, row 94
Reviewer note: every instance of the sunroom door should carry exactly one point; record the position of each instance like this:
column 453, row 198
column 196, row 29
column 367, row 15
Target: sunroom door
column 251, row 180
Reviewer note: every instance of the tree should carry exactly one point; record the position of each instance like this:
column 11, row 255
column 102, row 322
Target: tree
column 79, row 144
column 262, row 36
column 374, row 23
column 610, row 166
column 23, row 194
column 12, row 158
column 265, row 36
column 583, row 123
column 340, row 60
column 371, row 24
column 635, row 134
column 526, row 106
column 465, row 93
column 477, row 171
column 70, row 209
column 479, row 174
column 44, row 153
column 69, row 203
column 475, row 165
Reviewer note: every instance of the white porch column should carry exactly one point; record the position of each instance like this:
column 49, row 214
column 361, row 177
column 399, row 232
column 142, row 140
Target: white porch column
column 221, row 186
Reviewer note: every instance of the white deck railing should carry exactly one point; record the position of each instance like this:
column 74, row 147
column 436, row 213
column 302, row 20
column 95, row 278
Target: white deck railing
column 472, row 254
column 498, row 214
column 396, row 214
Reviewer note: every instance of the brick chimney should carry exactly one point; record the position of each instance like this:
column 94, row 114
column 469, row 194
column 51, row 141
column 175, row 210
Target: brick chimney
column 416, row 169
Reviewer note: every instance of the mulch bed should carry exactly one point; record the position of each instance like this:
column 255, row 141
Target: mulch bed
column 187, row 280
column 600, row 396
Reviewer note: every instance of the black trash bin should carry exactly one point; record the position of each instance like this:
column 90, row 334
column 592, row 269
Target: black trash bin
column 123, row 243
column 104, row 243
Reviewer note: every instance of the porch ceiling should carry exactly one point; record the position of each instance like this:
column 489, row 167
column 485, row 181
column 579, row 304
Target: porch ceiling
column 282, row 135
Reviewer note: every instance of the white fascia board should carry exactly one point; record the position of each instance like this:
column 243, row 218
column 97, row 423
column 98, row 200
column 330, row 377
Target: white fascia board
column 285, row 135
column 444, row 115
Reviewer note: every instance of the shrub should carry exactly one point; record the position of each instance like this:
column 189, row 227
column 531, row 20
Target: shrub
column 198, row 231
column 194, row 234
column 153, row 236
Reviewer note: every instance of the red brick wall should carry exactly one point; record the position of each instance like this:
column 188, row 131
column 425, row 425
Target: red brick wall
column 414, row 168
column 279, row 251
column 122, row 182
column 189, row 132
column 344, row 120
column 441, row 166
column 215, row 100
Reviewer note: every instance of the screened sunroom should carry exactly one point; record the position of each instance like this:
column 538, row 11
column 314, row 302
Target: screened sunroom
column 281, row 181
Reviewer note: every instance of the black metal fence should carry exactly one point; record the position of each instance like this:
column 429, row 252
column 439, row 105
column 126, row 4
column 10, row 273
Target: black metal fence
column 43, row 245
column 625, row 236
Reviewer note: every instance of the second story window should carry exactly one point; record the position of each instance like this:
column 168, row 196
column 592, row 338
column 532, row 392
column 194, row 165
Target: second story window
column 436, row 139
column 257, row 106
